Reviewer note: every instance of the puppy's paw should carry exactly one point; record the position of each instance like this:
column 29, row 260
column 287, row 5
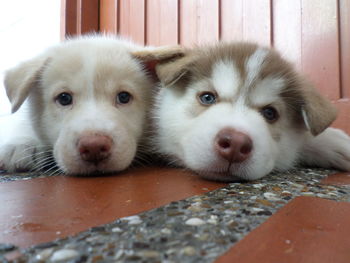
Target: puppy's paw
column 330, row 149
column 20, row 154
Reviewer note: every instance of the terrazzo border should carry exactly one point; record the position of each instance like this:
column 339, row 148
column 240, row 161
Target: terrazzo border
column 197, row 229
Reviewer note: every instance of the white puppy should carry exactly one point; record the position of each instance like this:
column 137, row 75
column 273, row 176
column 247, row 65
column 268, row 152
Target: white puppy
column 241, row 111
column 84, row 107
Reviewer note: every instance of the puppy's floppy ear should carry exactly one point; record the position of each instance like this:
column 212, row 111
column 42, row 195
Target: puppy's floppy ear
column 21, row 79
column 170, row 72
column 151, row 57
column 318, row 112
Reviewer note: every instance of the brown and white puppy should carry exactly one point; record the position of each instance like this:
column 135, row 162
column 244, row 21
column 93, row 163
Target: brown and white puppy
column 241, row 111
column 84, row 107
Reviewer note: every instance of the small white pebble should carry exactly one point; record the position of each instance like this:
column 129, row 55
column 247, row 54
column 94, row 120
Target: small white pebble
column 58, row 232
column 92, row 239
column 288, row 241
column 194, row 222
column 133, row 220
column 130, row 218
column 64, row 254
column 230, row 212
column 307, row 193
column 300, row 186
column 322, row 195
column 44, row 255
column 166, row 231
column 213, row 220
column 228, row 202
column 117, row 230
column 189, row 251
column 333, row 194
column 256, row 209
column 242, row 192
column 257, row 185
column 119, row 254
column 271, row 196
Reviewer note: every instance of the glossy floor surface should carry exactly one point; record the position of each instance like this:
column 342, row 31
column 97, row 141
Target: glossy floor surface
column 43, row 209
column 300, row 216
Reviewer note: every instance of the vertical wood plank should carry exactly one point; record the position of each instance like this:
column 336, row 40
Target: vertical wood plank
column 132, row 20
column 231, row 20
column 68, row 18
column 109, row 16
column 287, row 29
column 79, row 17
column 343, row 120
column 344, row 9
column 257, row 21
column 199, row 22
column 320, row 47
column 88, row 16
column 162, row 22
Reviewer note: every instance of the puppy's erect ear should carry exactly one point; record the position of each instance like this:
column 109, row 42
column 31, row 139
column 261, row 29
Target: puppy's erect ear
column 318, row 112
column 21, row 79
column 151, row 57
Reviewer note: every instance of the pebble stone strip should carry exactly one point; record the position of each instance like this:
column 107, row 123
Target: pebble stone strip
column 197, row 229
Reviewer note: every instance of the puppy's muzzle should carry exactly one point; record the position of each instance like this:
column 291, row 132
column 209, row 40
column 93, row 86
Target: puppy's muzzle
column 232, row 145
column 95, row 148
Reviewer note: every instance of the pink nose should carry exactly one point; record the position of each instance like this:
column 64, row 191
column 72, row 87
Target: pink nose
column 232, row 145
column 95, row 148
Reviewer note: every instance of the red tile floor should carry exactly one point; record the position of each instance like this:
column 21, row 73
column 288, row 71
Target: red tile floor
column 307, row 229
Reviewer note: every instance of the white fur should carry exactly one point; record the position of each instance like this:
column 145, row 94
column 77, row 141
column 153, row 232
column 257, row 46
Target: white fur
column 254, row 63
column 226, row 76
column 94, row 70
column 188, row 140
column 329, row 149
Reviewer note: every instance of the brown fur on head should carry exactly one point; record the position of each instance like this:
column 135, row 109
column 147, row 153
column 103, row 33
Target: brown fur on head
column 315, row 111
column 153, row 56
column 235, row 110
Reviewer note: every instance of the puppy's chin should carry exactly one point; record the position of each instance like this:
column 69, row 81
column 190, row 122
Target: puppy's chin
column 85, row 169
column 72, row 164
column 233, row 175
column 226, row 177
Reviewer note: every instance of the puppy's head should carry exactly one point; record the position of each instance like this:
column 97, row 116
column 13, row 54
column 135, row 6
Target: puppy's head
column 88, row 98
column 236, row 111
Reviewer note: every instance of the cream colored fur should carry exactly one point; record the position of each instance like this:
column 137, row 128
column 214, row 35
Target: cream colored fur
column 94, row 69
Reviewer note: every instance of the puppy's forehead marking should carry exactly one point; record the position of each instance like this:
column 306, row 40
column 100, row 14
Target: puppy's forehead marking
column 226, row 78
column 254, row 65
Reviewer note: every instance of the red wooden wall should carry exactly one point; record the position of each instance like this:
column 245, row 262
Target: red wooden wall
column 313, row 34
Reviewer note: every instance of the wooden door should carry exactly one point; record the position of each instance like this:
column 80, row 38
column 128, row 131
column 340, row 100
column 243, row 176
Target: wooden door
column 313, row 34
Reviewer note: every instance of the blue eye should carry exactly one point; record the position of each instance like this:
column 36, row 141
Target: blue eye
column 64, row 99
column 207, row 98
column 270, row 114
column 123, row 97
